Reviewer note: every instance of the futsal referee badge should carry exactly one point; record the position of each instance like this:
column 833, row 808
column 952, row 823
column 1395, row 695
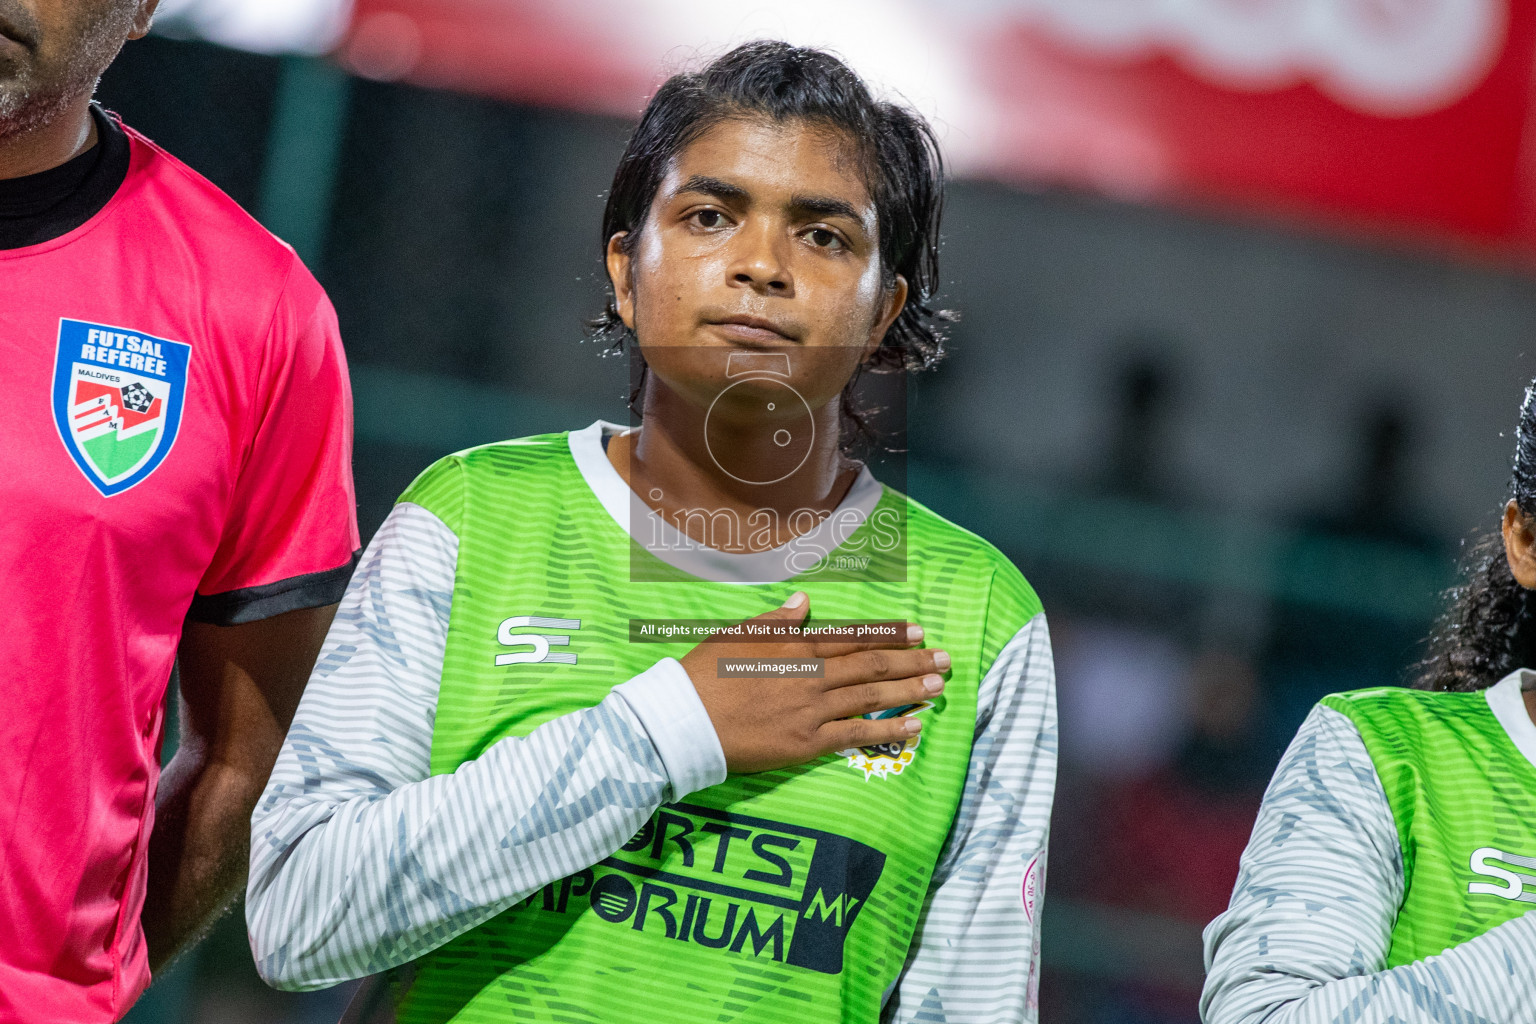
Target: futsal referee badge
column 117, row 400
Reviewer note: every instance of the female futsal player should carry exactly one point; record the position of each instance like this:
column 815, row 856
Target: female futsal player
column 467, row 801
column 1395, row 853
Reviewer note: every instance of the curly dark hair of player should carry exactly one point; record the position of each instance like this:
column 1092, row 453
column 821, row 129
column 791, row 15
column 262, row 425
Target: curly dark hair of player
column 896, row 146
column 1489, row 627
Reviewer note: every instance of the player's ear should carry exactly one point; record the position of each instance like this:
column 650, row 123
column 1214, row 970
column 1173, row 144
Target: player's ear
column 143, row 19
column 1519, row 546
column 892, row 302
column 619, row 276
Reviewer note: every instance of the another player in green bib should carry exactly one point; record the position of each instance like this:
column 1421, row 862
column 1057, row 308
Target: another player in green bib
column 1395, row 854
column 520, row 786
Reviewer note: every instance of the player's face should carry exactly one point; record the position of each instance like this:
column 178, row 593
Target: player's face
column 52, row 51
column 762, row 239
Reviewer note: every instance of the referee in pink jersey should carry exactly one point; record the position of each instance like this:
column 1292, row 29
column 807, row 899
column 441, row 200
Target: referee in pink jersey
column 175, row 474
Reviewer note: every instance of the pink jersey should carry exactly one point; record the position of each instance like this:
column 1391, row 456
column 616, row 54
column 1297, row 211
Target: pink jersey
column 176, row 426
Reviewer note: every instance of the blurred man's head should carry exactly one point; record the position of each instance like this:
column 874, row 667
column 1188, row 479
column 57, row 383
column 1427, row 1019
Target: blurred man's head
column 52, row 52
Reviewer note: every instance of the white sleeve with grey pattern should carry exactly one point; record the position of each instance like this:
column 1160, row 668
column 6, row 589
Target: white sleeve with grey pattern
column 1306, row 936
column 975, row 958
column 361, row 860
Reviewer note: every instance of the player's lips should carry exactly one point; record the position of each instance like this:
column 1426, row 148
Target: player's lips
column 755, row 329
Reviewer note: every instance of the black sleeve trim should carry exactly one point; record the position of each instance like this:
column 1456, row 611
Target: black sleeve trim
column 252, row 604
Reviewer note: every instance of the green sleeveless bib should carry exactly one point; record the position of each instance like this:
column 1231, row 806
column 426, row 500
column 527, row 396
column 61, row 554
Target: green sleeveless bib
column 1463, row 797
column 786, row 896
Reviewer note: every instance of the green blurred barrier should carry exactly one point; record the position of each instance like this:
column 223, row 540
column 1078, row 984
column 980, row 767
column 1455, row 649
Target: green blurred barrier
column 303, row 150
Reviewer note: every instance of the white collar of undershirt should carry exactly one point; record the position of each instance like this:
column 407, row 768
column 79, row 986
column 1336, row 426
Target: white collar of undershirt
column 1508, row 706
column 680, row 551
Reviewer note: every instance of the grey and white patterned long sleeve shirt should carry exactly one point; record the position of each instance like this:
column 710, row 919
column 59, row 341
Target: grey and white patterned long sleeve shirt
column 362, row 860
column 1306, row 937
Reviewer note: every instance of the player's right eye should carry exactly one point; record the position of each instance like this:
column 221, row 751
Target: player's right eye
column 708, row 219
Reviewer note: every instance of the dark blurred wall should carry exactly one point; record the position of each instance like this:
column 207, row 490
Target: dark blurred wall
column 209, row 106
column 1278, row 341
column 465, row 244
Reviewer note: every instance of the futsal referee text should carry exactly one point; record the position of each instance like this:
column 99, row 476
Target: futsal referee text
column 129, row 351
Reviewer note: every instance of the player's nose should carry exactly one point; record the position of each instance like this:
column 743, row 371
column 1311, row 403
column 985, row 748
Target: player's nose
column 760, row 261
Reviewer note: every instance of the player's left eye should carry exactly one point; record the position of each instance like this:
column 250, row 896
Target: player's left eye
column 821, row 238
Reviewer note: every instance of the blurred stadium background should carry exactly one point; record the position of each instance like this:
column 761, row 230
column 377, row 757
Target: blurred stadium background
column 1247, row 310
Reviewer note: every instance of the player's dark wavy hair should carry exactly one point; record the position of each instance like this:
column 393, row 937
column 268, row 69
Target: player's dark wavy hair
column 900, row 160
column 1489, row 626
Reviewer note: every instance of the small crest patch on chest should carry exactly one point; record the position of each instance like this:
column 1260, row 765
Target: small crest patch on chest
column 886, row 759
column 117, row 401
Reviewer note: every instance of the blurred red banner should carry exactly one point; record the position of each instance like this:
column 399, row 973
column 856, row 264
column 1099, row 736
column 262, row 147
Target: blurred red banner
column 1403, row 117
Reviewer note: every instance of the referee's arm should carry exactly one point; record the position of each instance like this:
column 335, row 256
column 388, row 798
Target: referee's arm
column 254, row 628
column 239, row 688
